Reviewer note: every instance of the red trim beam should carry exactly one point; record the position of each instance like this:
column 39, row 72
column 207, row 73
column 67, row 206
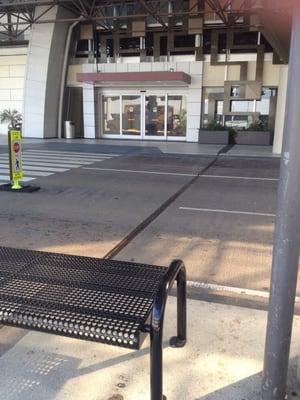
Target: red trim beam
column 131, row 77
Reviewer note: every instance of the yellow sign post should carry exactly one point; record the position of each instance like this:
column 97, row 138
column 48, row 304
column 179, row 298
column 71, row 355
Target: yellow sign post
column 15, row 158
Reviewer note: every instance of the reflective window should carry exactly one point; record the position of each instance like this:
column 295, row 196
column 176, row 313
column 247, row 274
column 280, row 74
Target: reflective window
column 243, row 106
column 111, row 115
column 155, row 116
column 131, row 115
column 176, row 120
column 239, row 122
column 235, row 91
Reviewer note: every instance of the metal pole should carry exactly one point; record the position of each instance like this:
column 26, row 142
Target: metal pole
column 287, row 236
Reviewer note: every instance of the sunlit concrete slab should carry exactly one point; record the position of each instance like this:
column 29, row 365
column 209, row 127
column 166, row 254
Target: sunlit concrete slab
column 175, row 163
column 83, row 211
column 222, row 360
column 252, row 151
column 246, row 167
column 219, row 248
column 223, row 230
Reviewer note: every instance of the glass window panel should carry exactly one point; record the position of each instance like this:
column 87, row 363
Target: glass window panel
column 235, row 91
column 205, row 106
column 263, row 106
column 111, row 115
column 238, row 121
column 219, row 107
column 176, row 125
column 155, row 116
column 131, row 115
column 242, row 106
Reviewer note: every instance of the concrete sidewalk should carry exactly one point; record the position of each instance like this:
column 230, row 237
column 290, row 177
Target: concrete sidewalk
column 150, row 146
column 222, row 361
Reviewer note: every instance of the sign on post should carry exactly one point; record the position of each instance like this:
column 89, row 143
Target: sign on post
column 15, row 158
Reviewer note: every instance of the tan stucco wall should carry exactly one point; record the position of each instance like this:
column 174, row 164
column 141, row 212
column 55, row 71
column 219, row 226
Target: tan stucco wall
column 215, row 75
column 71, row 77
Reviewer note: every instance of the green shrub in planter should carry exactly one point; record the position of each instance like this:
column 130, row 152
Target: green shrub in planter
column 215, row 126
column 213, row 133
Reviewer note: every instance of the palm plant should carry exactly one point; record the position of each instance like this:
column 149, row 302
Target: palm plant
column 12, row 117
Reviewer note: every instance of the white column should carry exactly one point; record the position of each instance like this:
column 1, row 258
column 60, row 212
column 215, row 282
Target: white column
column 43, row 75
column 280, row 110
column 194, row 101
column 89, row 112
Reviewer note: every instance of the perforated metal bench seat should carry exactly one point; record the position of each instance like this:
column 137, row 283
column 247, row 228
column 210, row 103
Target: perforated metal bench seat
column 99, row 300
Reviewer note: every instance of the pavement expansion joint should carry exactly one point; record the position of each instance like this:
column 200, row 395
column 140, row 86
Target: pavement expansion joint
column 144, row 224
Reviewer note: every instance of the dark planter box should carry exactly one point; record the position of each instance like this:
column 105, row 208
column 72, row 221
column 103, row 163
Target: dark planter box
column 213, row 137
column 254, row 137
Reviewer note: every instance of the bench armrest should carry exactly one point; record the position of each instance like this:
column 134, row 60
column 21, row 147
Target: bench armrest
column 175, row 271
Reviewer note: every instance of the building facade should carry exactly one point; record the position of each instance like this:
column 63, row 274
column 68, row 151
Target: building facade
column 170, row 75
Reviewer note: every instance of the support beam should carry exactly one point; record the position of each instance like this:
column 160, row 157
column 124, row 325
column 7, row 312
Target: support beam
column 287, row 237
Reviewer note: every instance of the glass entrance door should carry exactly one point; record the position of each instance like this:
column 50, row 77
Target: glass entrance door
column 155, row 117
column 131, row 115
column 144, row 116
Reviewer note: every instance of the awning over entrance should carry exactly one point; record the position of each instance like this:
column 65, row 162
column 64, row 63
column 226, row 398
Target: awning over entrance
column 155, row 78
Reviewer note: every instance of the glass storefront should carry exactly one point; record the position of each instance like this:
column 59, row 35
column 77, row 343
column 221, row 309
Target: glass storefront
column 144, row 116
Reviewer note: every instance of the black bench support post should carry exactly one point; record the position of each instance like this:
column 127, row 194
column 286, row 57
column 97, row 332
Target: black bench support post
column 175, row 271
column 180, row 339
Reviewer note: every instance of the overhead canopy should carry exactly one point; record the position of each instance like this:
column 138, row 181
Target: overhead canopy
column 154, row 78
column 271, row 17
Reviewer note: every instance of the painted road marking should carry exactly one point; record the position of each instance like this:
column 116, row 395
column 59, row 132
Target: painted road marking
column 39, row 163
column 49, row 159
column 137, row 171
column 44, row 164
column 79, row 154
column 231, row 289
column 6, row 178
column 179, row 174
column 32, row 173
column 258, row 214
column 240, row 177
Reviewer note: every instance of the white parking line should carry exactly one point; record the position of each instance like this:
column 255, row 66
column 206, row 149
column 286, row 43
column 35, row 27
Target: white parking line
column 180, row 174
column 32, row 173
column 227, row 211
column 250, row 178
column 50, row 159
column 5, row 178
column 138, row 172
column 230, row 289
column 50, row 169
column 43, row 164
column 77, row 154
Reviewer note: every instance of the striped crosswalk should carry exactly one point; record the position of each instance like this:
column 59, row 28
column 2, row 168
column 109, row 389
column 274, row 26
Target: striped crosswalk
column 43, row 163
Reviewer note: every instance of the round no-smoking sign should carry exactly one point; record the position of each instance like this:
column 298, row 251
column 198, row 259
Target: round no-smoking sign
column 16, row 147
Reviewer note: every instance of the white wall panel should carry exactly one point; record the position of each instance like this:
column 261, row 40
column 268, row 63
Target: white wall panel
column 12, row 77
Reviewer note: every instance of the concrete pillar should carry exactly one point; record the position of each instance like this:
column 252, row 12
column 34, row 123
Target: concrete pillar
column 89, row 111
column 280, row 110
column 43, row 75
column 194, row 100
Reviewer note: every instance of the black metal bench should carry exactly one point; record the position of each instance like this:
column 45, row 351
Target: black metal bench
column 106, row 301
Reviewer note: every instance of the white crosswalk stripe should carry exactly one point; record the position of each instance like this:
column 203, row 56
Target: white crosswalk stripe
column 42, row 163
